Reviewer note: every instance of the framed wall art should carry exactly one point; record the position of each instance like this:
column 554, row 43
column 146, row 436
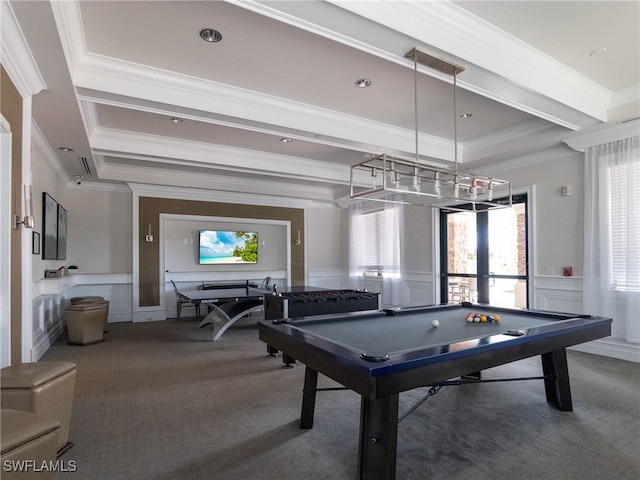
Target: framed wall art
column 49, row 227
column 62, row 233
column 35, row 243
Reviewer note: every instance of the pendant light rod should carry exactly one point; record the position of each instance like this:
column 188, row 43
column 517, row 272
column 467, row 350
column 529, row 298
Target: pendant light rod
column 415, row 102
column 455, row 125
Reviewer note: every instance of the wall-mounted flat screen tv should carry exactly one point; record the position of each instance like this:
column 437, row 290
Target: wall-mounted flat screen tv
column 219, row 247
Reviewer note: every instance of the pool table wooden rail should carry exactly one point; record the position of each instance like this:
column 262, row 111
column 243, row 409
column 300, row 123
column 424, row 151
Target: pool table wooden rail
column 421, row 367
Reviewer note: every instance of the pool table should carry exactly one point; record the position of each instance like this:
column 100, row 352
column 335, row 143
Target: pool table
column 380, row 354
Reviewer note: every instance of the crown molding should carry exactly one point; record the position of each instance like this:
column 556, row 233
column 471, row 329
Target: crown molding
column 498, row 168
column 452, row 29
column 112, row 82
column 160, row 149
column 504, row 136
column 212, row 195
column 16, row 56
column 380, row 40
column 68, row 20
column 99, row 186
column 602, row 134
column 625, row 96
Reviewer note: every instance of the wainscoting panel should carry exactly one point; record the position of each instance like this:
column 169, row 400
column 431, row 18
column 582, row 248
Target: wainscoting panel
column 48, row 323
column 52, row 296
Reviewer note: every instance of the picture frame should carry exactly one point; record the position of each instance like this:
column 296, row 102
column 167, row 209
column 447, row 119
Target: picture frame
column 35, row 243
column 49, row 227
column 61, row 245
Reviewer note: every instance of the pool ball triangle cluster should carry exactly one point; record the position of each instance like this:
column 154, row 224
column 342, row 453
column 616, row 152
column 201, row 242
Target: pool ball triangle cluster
column 481, row 318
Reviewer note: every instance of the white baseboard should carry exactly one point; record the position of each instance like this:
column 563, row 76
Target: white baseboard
column 152, row 314
column 611, row 348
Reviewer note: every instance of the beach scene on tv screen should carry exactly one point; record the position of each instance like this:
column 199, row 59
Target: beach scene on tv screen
column 221, row 247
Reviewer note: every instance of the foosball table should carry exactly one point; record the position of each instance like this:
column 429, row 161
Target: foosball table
column 318, row 302
column 311, row 302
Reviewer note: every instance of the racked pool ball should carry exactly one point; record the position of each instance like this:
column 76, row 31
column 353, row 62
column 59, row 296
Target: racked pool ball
column 470, row 317
column 496, row 318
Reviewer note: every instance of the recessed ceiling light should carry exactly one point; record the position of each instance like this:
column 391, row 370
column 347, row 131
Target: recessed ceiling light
column 177, row 120
column 363, row 83
column 286, row 140
column 465, row 115
column 210, row 35
column 369, row 155
column 66, row 149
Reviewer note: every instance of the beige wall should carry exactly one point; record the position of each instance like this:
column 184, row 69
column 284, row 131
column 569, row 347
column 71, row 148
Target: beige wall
column 11, row 107
column 150, row 208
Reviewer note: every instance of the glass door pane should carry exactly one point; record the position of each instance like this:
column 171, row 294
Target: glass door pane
column 508, row 256
column 507, row 241
column 462, row 259
column 461, row 243
column 462, row 289
column 508, row 292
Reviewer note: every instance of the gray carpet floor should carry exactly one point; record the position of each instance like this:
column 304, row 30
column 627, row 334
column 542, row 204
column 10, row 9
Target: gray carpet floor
column 161, row 401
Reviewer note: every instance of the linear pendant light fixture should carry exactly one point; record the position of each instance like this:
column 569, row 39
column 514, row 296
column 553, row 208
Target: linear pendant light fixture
column 393, row 179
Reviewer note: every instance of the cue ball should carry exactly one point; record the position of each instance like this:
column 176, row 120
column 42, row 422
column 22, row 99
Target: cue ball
column 435, row 323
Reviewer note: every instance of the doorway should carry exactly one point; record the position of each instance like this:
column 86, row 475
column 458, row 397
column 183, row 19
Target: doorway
column 484, row 254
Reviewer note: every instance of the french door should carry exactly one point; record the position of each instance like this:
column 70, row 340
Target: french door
column 484, row 255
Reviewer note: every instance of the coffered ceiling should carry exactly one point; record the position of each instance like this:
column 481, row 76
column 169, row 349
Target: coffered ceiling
column 132, row 88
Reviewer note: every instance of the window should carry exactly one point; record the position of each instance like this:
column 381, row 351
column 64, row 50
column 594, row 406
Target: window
column 624, row 236
column 373, row 246
column 611, row 280
column 375, row 242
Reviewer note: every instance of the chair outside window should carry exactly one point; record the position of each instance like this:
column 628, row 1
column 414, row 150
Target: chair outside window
column 182, row 300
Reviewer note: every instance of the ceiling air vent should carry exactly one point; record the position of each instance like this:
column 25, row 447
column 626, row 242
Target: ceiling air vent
column 85, row 165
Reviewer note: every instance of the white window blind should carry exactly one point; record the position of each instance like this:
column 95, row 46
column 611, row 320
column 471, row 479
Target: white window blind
column 624, row 180
column 373, row 248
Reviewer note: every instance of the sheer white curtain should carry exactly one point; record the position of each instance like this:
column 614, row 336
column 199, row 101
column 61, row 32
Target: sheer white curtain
column 392, row 291
column 356, row 240
column 388, row 255
column 611, row 284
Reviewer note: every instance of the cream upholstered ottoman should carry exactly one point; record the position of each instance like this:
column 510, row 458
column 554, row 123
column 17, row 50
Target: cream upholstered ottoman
column 43, row 388
column 93, row 300
column 28, row 441
column 85, row 323
column 90, row 298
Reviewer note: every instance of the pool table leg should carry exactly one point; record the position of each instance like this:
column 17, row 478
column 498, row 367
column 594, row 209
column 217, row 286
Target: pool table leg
column 309, row 398
column 378, row 438
column 556, row 382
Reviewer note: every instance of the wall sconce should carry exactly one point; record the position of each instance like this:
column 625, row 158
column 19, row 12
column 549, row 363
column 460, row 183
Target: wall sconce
column 27, row 221
column 298, row 241
column 148, row 237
